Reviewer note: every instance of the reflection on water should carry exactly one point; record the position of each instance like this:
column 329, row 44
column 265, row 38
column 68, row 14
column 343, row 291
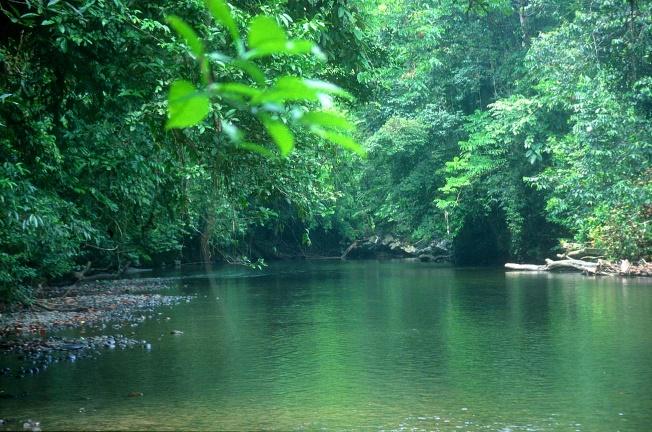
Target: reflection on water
column 375, row 345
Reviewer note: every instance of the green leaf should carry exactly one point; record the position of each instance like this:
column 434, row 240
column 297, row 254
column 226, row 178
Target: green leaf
column 326, row 119
column 281, row 134
column 289, row 88
column 222, row 15
column 264, row 30
column 291, row 47
column 186, row 105
column 343, row 141
column 238, row 89
column 328, row 88
column 256, row 148
column 250, row 68
column 188, row 34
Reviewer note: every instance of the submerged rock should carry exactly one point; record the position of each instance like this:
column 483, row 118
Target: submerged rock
column 38, row 354
column 31, row 425
column 72, row 346
column 96, row 310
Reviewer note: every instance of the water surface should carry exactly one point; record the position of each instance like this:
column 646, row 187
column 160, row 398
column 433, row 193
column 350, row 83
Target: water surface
column 369, row 345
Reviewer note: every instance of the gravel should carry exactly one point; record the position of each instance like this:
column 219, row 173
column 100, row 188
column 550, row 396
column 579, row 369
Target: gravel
column 30, row 335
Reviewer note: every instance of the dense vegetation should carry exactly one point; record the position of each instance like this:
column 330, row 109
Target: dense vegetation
column 501, row 125
column 513, row 124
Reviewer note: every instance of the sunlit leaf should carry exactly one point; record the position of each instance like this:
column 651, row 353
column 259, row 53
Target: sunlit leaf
column 264, row 30
column 282, row 47
column 186, row 105
column 326, row 119
column 342, row 140
column 328, row 88
column 188, row 35
column 251, row 69
column 237, row 88
column 222, row 15
column 281, row 134
column 256, row 148
column 289, row 88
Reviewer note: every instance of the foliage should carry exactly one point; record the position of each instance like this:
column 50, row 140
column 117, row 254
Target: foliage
column 141, row 134
column 598, row 179
column 556, row 104
column 91, row 174
column 401, row 175
column 188, row 106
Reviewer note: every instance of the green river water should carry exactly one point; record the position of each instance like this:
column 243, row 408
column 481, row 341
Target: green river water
column 369, row 345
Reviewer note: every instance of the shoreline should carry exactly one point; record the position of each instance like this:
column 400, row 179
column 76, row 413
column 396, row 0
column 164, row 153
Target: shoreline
column 31, row 340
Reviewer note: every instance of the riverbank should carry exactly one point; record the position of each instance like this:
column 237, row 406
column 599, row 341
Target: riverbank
column 106, row 311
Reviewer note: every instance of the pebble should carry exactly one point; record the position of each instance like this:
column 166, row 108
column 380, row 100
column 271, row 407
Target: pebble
column 102, row 309
column 38, row 355
column 113, row 310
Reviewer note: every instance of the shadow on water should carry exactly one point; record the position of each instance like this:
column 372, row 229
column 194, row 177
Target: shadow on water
column 482, row 241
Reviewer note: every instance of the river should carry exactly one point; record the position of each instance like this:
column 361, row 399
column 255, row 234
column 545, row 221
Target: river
column 368, row 345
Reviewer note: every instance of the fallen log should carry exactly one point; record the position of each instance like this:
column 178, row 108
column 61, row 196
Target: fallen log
column 590, row 258
column 583, row 266
column 565, row 264
column 584, row 252
column 349, row 249
column 525, row 267
column 601, row 267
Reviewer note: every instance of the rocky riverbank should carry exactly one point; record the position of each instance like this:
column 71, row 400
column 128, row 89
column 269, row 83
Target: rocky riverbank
column 390, row 246
column 29, row 340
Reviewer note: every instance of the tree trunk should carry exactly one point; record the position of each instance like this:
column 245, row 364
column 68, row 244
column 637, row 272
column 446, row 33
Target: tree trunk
column 522, row 17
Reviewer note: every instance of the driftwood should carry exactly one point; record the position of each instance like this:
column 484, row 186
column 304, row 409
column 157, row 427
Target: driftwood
column 573, row 264
column 583, row 266
column 349, row 249
column 525, row 267
column 601, row 267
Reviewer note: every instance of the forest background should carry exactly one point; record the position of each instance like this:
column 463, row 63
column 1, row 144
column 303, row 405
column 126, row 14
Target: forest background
column 499, row 127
